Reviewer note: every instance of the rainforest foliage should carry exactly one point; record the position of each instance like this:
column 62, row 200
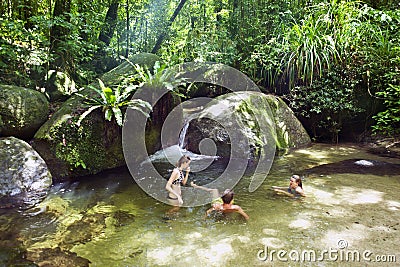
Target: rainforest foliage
column 337, row 63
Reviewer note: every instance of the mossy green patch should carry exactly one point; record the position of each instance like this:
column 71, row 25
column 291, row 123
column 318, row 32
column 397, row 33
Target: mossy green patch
column 22, row 111
column 72, row 151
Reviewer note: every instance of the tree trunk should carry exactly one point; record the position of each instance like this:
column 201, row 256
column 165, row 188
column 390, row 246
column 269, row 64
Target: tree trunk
column 4, row 8
column 162, row 36
column 58, row 35
column 127, row 30
column 217, row 9
column 20, row 9
column 83, row 9
column 234, row 20
column 101, row 61
column 110, row 23
column 28, row 10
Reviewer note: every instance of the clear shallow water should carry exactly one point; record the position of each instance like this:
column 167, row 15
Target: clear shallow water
column 110, row 221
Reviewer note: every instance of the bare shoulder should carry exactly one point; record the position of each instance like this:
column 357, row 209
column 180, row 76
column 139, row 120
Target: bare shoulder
column 174, row 174
column 236, row 207
column 300, row 191
column 232, row 208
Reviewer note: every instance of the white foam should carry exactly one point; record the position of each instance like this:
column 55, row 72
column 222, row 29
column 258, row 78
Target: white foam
column 364, row 162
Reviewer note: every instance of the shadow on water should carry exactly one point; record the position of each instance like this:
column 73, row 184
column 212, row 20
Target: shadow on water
column 107, row 220
column 357, row 166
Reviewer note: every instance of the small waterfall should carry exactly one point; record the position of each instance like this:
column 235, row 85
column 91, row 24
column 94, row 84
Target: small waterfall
column 181, row 142
column 173, row 153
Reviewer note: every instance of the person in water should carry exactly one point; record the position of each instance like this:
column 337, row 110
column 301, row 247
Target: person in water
column 295, row 187
column 177, row 179
column 223, row 203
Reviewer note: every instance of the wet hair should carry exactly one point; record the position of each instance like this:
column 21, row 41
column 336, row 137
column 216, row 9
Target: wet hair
column 227, row 196
column 182, row 160
column 298, row 180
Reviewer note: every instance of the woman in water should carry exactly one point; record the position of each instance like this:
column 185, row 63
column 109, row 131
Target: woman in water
column 295, row 187
column 177, row 179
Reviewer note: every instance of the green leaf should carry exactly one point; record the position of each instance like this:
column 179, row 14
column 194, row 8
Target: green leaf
column 109, row 96
column 118, row 115
column 108, row 114
column 87, row 112
column 99, row 92
column 102, row 86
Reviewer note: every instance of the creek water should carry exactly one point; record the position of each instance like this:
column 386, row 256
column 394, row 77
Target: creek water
column 350, row 217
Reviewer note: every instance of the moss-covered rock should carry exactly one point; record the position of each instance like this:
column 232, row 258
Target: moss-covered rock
column 96, row 145
column 258, row 118
column 59, row 85
column 25, row 179
column 22, row 111
column 289, row 131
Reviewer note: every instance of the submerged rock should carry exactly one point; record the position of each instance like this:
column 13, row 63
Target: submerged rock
column 14, row 256
column 25, row 179
column 123, row 218
column 22, row 111
column 12, row 250
column 82, row 231
column 56, row 257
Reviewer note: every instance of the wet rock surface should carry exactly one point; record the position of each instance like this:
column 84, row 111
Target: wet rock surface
column 248, row 120
column 25, row 178
column 385, row 147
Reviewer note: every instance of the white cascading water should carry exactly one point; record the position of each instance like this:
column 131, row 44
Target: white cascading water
column 181, row 142
column 173, row 153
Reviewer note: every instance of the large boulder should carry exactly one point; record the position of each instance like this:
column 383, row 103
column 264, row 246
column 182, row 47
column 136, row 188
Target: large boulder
column 25, row 179
column 59, row 86
column 290, row 132
column 22, row 111
column 258, row 118
column 72, row 151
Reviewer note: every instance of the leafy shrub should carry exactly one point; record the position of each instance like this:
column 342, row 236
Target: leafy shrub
column 328, row 102
column 20, row 53
column 111, row 101
column 388, row 121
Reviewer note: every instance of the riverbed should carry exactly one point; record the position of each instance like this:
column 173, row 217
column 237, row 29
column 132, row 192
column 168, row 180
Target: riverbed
column 349, row 217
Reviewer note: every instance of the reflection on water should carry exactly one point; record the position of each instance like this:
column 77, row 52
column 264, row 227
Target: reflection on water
column 110, row 221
